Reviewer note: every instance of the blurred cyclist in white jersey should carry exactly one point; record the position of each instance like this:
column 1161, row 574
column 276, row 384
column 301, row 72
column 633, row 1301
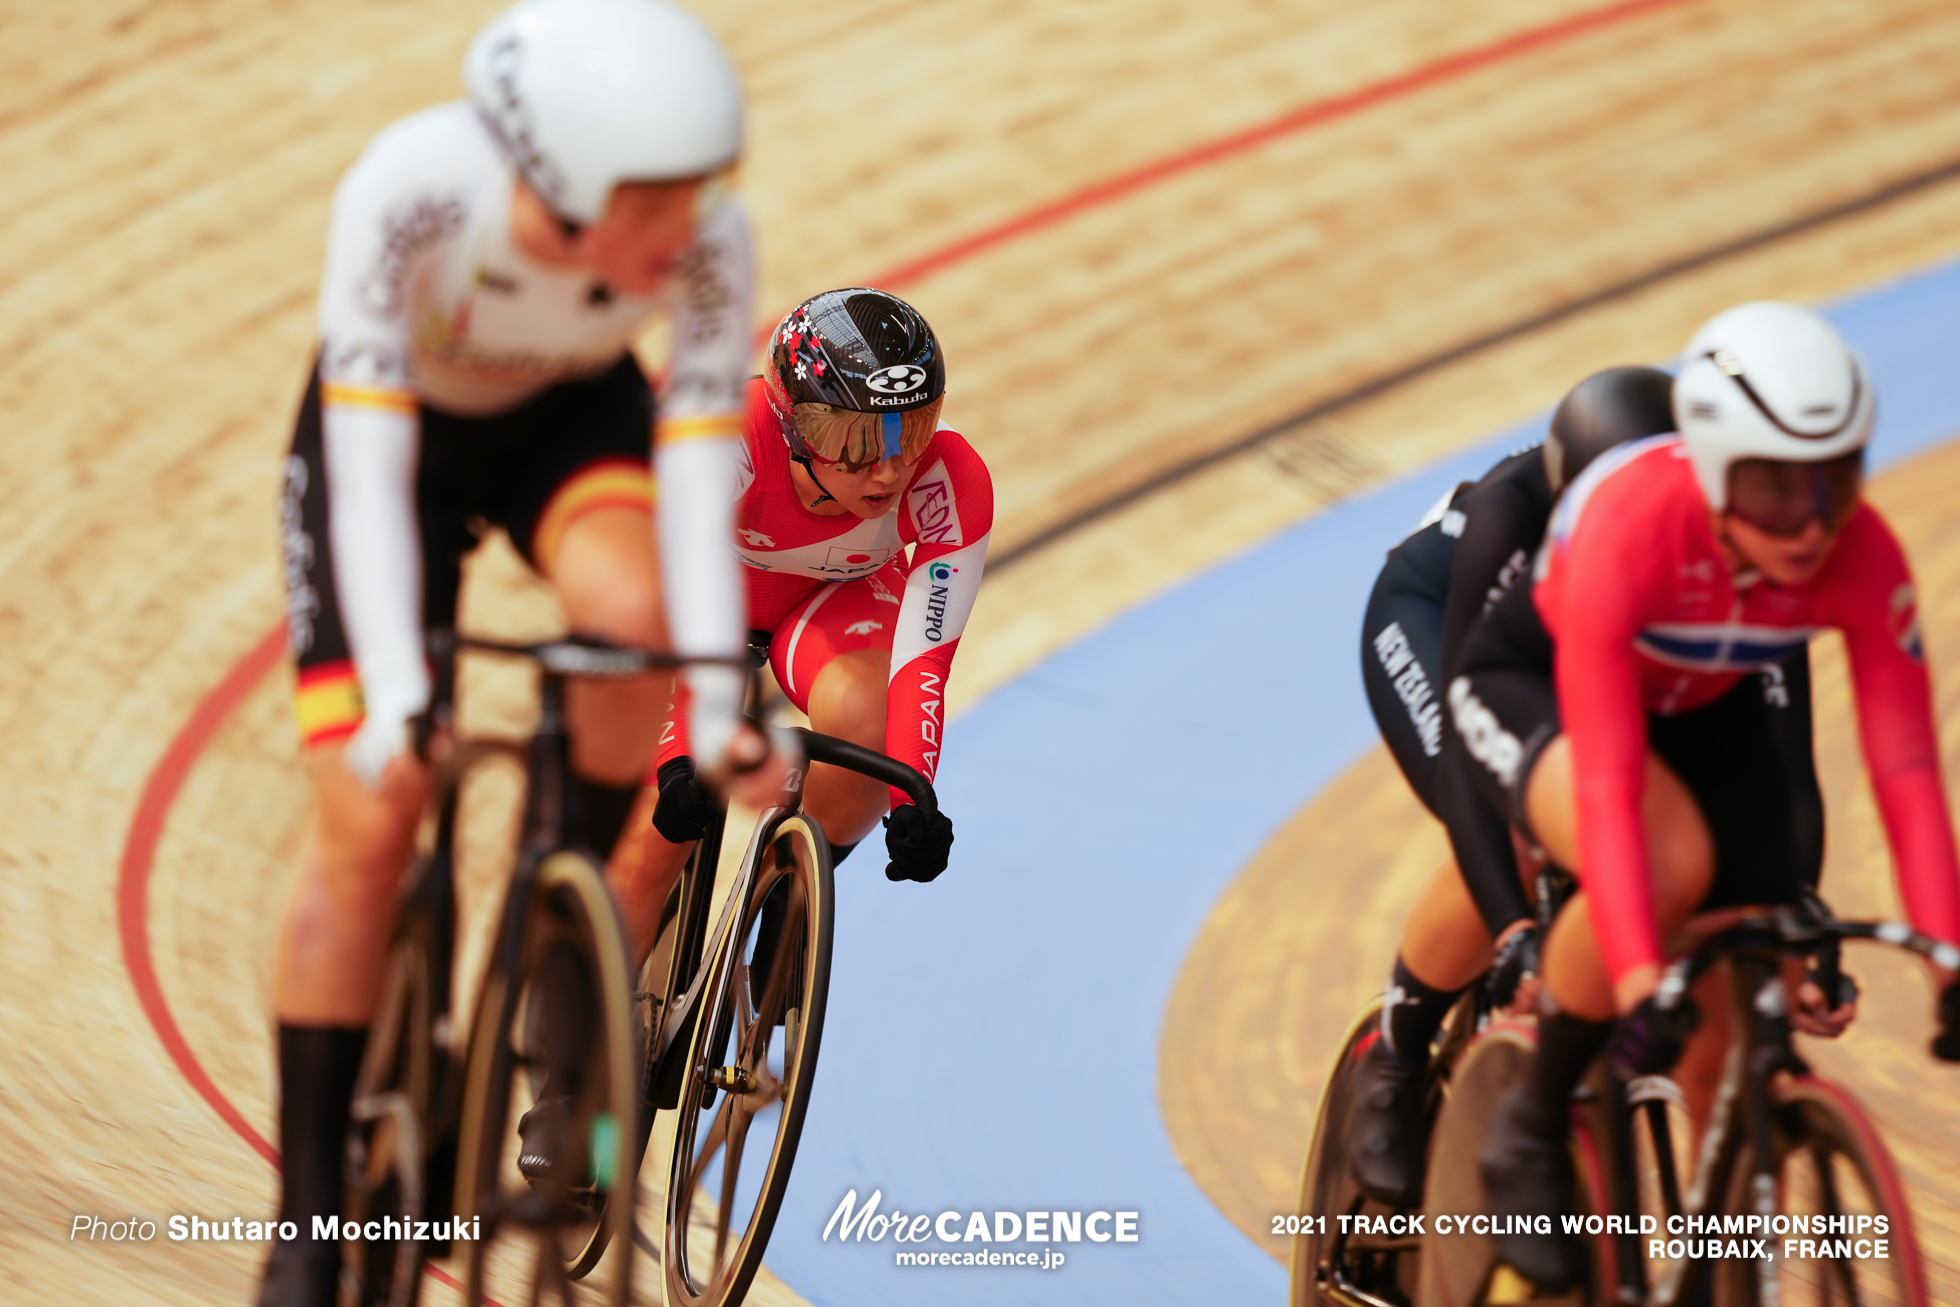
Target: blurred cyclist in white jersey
column 489, row 264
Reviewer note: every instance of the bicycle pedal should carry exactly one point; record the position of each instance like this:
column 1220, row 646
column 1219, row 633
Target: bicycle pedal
column 734, row 1080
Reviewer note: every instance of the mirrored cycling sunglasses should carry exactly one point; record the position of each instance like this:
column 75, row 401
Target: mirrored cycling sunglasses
column 855, row 441
column 1783, row 497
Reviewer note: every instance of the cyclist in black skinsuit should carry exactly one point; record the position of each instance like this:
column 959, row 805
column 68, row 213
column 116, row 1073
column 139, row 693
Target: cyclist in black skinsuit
column 1470, row 551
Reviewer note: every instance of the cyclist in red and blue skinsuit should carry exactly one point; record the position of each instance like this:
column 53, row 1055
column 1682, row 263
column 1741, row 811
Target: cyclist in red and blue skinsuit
column 1609, row 714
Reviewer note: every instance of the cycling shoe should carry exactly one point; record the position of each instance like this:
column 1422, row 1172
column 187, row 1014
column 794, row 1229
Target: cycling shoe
column 1385, row 1144
column 1527, row 1170
column 546, row 1135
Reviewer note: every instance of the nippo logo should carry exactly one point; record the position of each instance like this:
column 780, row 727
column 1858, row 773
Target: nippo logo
column 898, row 379
column 941, row 572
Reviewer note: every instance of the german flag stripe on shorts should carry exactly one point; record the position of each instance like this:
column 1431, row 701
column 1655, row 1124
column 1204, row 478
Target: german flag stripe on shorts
column 327, row 702
column 345, row 396
column 607, row 483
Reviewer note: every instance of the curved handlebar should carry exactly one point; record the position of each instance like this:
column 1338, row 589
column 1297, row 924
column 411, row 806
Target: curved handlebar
column 1791, row 930
column 574, row 656
column 869, row 762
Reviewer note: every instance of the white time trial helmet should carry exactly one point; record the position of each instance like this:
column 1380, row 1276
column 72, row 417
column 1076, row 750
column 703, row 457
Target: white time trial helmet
column 1769, row 381
column 586, row 94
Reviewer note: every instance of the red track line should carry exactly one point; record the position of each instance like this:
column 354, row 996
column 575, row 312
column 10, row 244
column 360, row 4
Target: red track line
column 160, row 790
column 1294, row 120
column 139, row 852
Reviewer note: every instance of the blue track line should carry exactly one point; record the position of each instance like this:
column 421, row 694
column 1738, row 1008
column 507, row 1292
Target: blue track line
column 992, row 1038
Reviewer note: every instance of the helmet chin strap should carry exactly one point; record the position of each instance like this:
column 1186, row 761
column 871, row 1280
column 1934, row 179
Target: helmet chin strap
column 810, row 471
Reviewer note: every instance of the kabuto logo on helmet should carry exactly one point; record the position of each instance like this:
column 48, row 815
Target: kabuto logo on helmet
column 898, row 379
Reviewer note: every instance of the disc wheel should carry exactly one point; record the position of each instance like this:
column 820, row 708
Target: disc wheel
column 1829, row 1162
column 387, row 1138
column 1325, row 1258
column 552, row 1043
column 748, row 1073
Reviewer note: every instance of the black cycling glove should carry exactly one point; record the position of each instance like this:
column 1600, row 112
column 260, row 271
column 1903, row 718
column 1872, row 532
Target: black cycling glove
column 686, row 806
column 1648, row 1040
column 1517, row 957
column 1946, row 1043
column 918, row 844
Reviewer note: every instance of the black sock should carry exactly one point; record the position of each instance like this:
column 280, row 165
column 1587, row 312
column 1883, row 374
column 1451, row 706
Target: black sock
column 605, row 809
column 1566, row 1047
column 317, row 1069
column 1410, row 1015
column 839, row 852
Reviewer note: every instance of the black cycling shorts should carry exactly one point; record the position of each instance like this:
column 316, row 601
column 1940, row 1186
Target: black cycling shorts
column 532, row 471
column 1746, row 758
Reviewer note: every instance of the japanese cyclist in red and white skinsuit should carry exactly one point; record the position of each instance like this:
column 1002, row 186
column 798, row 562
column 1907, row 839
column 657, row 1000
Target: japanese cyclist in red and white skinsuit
column 489, row 264
column 847, row 464
column 1611, row 711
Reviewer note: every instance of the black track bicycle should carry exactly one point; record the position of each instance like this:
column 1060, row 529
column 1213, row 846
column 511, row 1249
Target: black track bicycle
column 723, row 1029
column 430, row 1165
column 730, row 1020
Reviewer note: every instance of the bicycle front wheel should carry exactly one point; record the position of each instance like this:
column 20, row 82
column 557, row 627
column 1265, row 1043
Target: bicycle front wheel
column 1321, row 1256
column 1833, row 1177
column 749, row 1069
column 387, row 1138
column 548, row 1110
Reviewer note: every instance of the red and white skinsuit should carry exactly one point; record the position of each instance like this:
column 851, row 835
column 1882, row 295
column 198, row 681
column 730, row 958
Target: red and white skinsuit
column 1647, row 617
column 824, row 586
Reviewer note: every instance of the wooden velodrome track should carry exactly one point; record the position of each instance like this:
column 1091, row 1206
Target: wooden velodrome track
column 1194, row 221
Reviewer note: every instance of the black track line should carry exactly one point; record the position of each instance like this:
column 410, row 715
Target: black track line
column 1170, row 476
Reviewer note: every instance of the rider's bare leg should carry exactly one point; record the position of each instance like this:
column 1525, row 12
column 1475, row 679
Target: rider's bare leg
column 607, row 573
column 847, row 700
column 642, row 872
column 1444, row 943
column 327, row 967
column 1681, row 857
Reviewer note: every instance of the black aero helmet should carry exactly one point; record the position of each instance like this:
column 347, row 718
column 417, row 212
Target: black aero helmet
column 854, row 376
column 1606, row 409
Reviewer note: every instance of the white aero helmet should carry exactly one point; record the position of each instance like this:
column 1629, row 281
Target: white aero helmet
column 1769, row 380
column 585, row 94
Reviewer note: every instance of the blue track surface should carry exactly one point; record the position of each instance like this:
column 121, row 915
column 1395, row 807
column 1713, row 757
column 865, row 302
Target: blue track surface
column 992, row 1038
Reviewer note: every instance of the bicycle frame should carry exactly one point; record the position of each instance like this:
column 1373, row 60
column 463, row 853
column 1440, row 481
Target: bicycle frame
column 1744, row 1106
column 669, row 1046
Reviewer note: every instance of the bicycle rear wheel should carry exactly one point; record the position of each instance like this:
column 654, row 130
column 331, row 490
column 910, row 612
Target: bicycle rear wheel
column 387, row 1136
column 749, row 1070
column 534, row 1236
column 1829, row 1163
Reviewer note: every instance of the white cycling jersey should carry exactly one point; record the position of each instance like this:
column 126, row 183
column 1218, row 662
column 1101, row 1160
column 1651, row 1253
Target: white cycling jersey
column 426, row 299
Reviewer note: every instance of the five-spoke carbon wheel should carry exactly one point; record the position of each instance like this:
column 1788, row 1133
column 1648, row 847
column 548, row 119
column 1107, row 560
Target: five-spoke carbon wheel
column 748, row 1072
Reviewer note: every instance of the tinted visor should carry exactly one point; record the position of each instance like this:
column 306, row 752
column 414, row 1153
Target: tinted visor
column 1782, row 497
column 855, row 441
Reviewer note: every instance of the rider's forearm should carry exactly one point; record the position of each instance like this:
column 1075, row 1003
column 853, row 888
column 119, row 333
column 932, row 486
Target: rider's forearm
column 370, row 457
column 939, row 597
column 1913, row 805
column 702, row 578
